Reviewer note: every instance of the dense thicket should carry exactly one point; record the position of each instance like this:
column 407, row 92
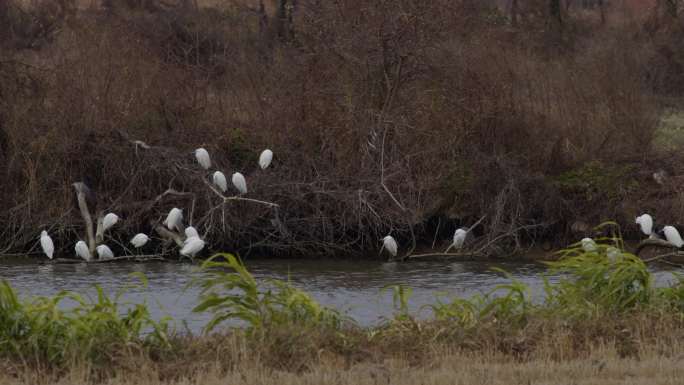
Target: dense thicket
column 406, row 116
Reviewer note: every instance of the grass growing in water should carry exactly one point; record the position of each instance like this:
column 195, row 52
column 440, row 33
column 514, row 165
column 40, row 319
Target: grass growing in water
column 231, row 292
column 39, row 331
column 606, row 298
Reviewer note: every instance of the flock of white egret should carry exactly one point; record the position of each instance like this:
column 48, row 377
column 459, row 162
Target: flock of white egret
column 192, row 244
column 645, row 222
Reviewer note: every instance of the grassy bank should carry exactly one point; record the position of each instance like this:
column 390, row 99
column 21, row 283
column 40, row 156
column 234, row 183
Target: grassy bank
column 605, row 318
column 413, row 119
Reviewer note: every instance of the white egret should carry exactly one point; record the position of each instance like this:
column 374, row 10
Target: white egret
column 660, row 177
column 645, row 222
column 174, row 221
column 104, row 252
column 390, row 245
column 612, row 253
column 191, row 232
column 459, row 239
column 192, row 247
column 673, row 237
column 588, row 245
column 46, row 244
column 220, row 181
column 139, row 240
column 108, row 221
column 240, row 183
column 203, row 159
column 265, row 158
column 82, row 251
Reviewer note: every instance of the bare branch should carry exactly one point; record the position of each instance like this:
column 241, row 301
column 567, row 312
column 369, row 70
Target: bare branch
column 81, row 190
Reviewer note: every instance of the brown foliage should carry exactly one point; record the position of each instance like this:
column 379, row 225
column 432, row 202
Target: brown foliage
column 382, row 115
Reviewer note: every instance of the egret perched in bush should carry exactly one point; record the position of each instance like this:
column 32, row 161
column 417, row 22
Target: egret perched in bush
column 82, row 251
column 389, row 244
column 673, row 237
column 645, row 222
column 588, row 245
column 612, row 253
column 191, row 232
column 240, row 183
column 459, row 239
column 139, row 240
column 104, row 252
column 220, row 181
column 108, row 221
column 46, row 244
column 192, row 247
column 174, row 221
column 265, row 158
column 203, row 159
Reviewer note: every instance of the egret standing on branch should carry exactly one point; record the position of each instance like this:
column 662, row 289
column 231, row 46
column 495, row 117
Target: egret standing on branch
column 220, row 181
column 191, row 232
column 108, row 221
column 139, row 240
column 240, row 183
column 588, row 245
column 46, row 244
column 104, row 252
column 265, row 158
column 203, row 159
column 645, row 222
column 174, row 221
column 82, row 251
column 459, row 239
column 192, row 247
column 673, row 237
column 389, row 244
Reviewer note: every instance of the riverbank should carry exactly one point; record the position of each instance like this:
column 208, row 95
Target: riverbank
column 412, row 120
column 605, row 314
column 639, row 349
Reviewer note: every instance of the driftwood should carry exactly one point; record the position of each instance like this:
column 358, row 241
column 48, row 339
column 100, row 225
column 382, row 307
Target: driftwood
column 652, row 243
column 463, row 255
column 134, row 258
column 662, row 258
column 81, row 191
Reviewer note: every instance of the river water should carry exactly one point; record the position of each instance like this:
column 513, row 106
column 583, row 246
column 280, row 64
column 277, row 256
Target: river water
column 353, row 287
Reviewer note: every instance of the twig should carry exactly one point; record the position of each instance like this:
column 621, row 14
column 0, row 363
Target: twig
column 81, row 189
column 139, row 258
column 382, row 173
column 663, row 256
column 652, row 242
column 450, row 255
column 237, row 197
column 476, row 223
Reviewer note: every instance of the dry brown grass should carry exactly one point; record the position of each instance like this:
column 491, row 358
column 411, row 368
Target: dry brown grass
column 642, row 348
column 602, row 365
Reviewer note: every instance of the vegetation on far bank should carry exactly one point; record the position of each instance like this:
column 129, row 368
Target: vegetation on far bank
column 605, row 313
column 409, row 117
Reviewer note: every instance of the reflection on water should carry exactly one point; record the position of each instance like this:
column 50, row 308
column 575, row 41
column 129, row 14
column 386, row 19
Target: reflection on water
column 350, row 286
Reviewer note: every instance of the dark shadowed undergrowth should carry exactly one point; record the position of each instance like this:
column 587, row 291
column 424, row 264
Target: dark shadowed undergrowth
column 412, row 117
column 605, row 300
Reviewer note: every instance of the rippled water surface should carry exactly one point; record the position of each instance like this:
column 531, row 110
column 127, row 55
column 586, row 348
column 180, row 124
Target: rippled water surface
column 351, row 286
